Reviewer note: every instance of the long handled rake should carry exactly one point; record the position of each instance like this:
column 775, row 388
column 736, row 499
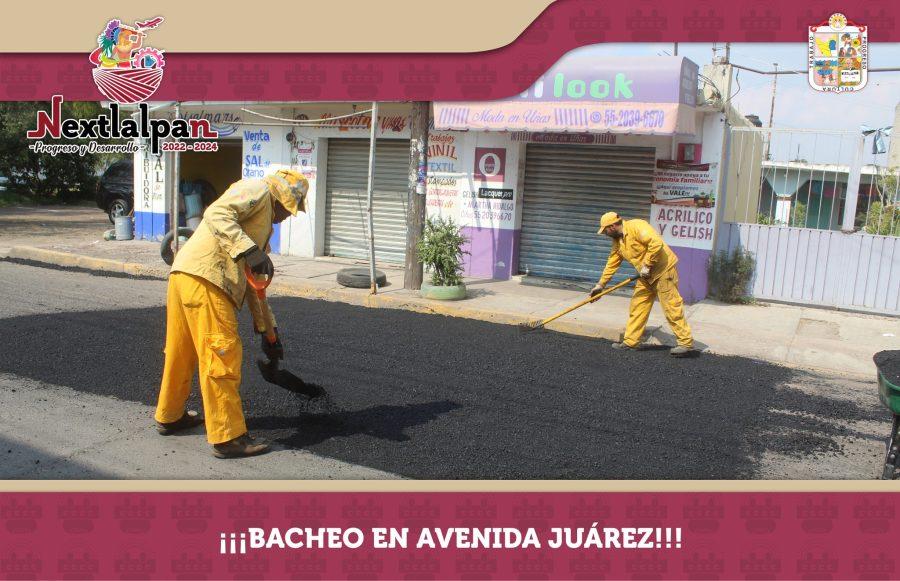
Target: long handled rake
column 530, row 326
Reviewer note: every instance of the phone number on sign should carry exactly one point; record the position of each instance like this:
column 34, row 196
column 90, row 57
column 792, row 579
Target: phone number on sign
column 182, row 146
column 648, row 119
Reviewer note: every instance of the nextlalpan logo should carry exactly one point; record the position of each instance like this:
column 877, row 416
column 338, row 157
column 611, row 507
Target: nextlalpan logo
column 127, row 73
column 125, row 70
column 112, row 126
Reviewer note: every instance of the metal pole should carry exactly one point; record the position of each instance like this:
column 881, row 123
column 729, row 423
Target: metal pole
column 373, row 287
column 176, row 190
column 772, row 110
column 849, row 224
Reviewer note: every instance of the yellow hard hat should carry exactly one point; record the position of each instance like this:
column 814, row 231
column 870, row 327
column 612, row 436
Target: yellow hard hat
column 290, row 188
column 608, row 219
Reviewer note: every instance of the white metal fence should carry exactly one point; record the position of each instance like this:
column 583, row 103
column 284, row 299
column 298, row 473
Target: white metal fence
column 820, row 267
column 789, row 199
column 822, row 179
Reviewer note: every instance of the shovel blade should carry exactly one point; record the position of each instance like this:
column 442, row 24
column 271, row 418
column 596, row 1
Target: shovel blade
column 287, row 380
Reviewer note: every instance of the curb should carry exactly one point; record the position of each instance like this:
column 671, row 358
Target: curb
column 358, row 297
column 68, row 259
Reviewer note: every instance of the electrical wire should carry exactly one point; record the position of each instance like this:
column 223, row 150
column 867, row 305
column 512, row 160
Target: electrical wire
column 306, row 121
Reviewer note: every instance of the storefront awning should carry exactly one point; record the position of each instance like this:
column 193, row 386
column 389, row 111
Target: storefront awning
column 585, row 94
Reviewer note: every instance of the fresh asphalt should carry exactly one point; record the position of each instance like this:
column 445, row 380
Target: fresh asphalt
column 426, row 396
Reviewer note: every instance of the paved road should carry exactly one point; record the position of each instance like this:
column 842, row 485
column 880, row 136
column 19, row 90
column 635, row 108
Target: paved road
column 418, row 396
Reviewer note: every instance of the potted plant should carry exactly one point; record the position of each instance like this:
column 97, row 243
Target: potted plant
column 440, row 250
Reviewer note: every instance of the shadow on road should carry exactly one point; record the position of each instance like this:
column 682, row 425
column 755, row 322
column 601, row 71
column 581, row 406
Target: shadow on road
column 384, row 422
column 427, row 396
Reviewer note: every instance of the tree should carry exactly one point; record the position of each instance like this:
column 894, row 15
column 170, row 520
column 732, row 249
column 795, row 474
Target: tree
column 883, row 216
column 63, row 177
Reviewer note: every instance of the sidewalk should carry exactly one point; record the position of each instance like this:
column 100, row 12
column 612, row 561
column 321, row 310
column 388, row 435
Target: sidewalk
column 803, row 337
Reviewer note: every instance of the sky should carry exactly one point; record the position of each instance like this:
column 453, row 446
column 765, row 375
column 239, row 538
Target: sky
column 797, row 105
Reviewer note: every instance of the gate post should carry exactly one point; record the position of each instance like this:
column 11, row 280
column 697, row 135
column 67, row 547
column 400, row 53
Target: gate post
column 852, row 195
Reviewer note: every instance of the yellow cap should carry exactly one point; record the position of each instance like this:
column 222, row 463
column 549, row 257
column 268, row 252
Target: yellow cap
column 608, row 219
column 290, row 188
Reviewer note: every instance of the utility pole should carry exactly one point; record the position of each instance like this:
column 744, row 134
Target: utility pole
column 727, row 52
column 675, row 49
column 772, row 110
column 415, row 213
column 176, row 196
column 370, row 221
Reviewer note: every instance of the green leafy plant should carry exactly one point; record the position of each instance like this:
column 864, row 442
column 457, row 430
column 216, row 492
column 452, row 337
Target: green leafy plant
column 730, row 275
column 440, row 250
column 796, row 219
column 881, row 219
column 798, row 215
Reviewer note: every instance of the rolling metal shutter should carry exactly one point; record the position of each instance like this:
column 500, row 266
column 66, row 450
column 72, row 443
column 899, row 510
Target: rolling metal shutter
column 567, row 189
column 345, row 192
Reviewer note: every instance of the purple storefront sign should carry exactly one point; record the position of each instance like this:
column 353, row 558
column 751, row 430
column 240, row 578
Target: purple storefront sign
column 585, row 94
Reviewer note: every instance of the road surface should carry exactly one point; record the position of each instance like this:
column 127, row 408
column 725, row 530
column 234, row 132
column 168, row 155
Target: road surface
column 417, row 396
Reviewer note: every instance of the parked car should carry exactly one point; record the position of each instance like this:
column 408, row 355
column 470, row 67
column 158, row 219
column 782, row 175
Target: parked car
column 115, row 190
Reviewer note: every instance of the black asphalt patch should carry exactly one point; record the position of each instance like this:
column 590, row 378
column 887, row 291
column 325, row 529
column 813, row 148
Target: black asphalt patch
column 428, row 396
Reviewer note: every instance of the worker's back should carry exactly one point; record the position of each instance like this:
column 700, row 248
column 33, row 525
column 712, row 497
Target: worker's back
column 246, row 204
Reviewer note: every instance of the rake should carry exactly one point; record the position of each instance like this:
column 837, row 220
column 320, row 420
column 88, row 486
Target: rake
column 532, row 325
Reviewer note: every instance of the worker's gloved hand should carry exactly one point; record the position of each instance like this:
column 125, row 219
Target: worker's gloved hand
column 259, row 262
column 645, row 271
column 272, row 350
column 597, row 289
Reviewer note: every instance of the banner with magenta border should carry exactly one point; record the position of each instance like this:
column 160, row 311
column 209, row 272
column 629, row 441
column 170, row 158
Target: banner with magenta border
column 738, row 535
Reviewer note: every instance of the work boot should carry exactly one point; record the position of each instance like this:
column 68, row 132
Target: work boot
column 681, row 351
column 189, row 420
column 240, row 447
column 620, row 345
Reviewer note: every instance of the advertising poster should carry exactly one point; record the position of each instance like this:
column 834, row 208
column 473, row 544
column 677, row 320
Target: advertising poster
column 683, row 203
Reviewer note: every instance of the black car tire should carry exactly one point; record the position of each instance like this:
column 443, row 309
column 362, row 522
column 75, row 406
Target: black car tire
column 118, row 207
column 165, row 247
column 358, row 277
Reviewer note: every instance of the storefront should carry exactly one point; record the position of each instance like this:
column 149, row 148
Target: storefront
column 583, row 140
column 257, row 139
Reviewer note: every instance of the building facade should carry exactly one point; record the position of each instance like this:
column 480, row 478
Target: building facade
column 526, row 178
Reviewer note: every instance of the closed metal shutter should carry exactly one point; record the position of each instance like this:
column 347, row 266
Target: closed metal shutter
column 345, row 192
column 567, row 189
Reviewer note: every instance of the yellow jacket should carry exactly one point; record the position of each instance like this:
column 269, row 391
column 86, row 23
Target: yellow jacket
column 240, row 219
column 640, row 245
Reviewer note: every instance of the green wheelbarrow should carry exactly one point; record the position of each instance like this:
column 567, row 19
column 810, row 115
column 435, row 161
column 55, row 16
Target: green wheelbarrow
column 888, row 365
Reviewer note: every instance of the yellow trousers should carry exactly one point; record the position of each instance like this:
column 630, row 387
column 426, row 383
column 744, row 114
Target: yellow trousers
column 201, row 328
column 665, row 288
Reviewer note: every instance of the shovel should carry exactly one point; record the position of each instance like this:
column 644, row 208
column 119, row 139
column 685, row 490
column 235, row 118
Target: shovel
column 270, row 369
column 539, row 324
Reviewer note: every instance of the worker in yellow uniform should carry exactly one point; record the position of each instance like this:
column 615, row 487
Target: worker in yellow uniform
column 207, row 287
column 637, row 242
